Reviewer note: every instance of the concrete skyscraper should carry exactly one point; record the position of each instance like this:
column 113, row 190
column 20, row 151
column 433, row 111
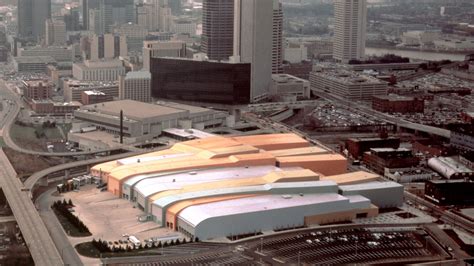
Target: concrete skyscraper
column 161, row 14
column 25, row 18
column 107, row 14
column 86, row 6
column 218, row 28
column 32, row 15
column 55, row 33
column 277, row 48
column 350, row 29
column 253, row 42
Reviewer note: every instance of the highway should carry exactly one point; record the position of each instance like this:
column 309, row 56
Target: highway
column 33, row 179
column 36, row 235
column 390, row 119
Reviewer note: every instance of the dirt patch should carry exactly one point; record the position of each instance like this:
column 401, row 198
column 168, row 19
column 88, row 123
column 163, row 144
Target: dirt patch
column 4, row 206
column 406, row 215
column 25, row 164
column 13, row 249
column 35, row 137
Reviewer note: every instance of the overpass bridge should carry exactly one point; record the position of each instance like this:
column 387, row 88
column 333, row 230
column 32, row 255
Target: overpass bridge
column 36, row 236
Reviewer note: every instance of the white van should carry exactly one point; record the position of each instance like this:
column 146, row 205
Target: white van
column 134, row 240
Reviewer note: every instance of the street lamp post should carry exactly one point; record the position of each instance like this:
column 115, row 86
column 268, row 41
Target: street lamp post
column 299, row 254
column 261, row 244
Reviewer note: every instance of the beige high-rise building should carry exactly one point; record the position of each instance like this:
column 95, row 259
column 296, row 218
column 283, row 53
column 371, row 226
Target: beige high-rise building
column 350, row 30
column 145, row 16
column 107, row 46
column 161, row 15
column 135, row 86
column 154, row 49
column 55, row 32
column 253, row 42
column 277, row 48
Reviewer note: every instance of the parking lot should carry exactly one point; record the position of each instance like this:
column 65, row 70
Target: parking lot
column 351, row 246
column 109, row 217
column 330, row 115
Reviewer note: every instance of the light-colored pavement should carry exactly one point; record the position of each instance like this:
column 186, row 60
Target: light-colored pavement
column 109, row 217
column 36, row 235
column 67, row 251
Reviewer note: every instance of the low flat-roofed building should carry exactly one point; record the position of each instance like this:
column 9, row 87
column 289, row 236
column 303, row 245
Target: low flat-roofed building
column 337, row 80
column 284, row 85
column 59, row 53
column 45, row 107
column 93, row 97
column 103, row 70
column 358, row 146
column 381, row 194
column 450, row 192
column 144, row 121
column 33, row 64
column 398, row 104
column 186, row 134
column 37, row 89
column 73, row 89
column 380, row 158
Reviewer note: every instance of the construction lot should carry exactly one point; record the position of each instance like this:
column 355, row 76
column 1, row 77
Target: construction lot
column 110, row 218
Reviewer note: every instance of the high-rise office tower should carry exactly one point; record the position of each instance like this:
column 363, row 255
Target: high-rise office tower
column 32, row 15
column 86, row 6
column 349, row 29
column 111, row 13
column 161, row 14
column 253, row 42
column 25, row 18
column 106, row 46
column 176, row 6
column 218, row 28
column 277, row 48
column 145, row 16
column 115, row 13
column 72, row 20
column 55, row 32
